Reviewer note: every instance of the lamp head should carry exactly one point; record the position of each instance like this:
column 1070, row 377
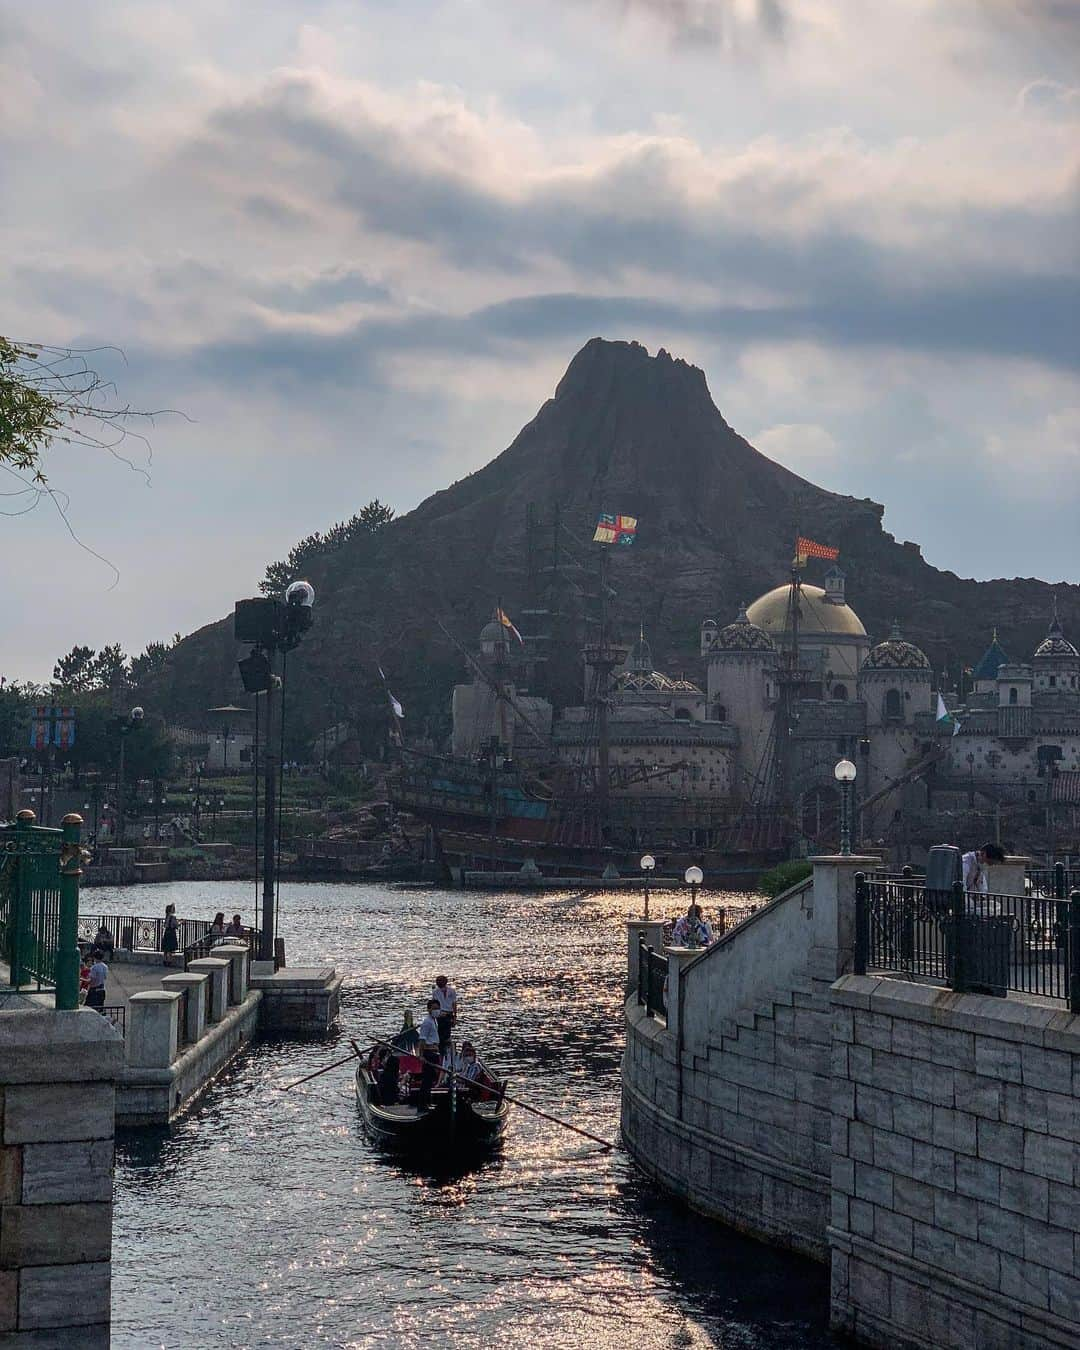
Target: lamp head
column 136, row 715
column 300, row 593
column 844, row 771
column 694, row 876
column 648, row 862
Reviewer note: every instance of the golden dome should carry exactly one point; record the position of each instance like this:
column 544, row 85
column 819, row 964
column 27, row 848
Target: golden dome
column 818, row 616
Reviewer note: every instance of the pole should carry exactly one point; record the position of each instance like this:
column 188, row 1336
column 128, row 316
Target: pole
column 67, row 945
column 845, row 820
column 120, row 804
column 266, row 940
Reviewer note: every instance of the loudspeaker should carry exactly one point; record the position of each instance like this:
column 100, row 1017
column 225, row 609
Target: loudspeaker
column 257, row 621
column 255, row 672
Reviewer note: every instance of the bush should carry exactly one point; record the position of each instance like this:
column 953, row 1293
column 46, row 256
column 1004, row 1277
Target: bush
column 782, row 876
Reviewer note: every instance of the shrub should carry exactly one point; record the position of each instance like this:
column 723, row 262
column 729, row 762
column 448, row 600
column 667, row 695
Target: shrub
column 782, row 876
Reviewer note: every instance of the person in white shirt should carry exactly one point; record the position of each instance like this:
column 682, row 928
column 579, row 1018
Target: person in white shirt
column 429, row 1053
column 99, row 974
column 975, row 874
column 445, row 995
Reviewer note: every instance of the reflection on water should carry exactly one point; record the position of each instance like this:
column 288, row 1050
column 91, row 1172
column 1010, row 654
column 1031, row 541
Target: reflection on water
column 266, row 1218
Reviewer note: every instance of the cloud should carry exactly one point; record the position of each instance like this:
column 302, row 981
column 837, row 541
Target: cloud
column 708, row 23
column 800, row 446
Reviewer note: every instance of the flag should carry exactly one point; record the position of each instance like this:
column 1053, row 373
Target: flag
column 395, row 705
column 944, row 716
column 504, row 619
column 809, row 548
column 615, row 529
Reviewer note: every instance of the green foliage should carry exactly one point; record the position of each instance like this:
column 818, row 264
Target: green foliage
column 153, row 659
column 785, row 874
column 368, row 522
column 29, row 415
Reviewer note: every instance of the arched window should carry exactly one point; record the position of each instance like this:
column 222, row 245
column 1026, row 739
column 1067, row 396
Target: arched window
column 840, row 692
column 894, row 706
column 682, row 714
column 1013, row 695
column 720, row 712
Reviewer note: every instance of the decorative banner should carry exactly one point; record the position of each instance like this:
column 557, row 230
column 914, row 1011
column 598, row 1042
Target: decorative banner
column 809, row 548
column 615, row 529
column 52, row 725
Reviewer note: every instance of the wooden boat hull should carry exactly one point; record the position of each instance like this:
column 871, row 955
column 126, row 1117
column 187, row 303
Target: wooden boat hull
column 440, row 1131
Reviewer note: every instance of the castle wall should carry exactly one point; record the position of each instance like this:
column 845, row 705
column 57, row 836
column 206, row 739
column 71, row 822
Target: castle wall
column 738, row 682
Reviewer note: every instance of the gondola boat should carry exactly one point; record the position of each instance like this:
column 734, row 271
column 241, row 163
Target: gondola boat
column 463, row 1116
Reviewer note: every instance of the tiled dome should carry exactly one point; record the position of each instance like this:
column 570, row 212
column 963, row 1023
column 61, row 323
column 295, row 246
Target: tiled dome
column 896, row 654
column 743, row 636
column 1056, row 643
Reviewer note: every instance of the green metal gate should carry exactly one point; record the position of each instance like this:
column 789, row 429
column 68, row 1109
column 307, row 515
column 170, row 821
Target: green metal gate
column 39, row 905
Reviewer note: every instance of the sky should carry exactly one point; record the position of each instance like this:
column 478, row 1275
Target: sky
column 354, row 246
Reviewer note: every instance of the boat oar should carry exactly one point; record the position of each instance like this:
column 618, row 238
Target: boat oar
column 516, row 1101
column 354, row 1053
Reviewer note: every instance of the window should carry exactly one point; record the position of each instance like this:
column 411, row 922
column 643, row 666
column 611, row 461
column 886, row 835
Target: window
column 682, row 714
column 720, row 712
column 894, row 706
column 840, row 692
column 1013, row 695
column 1053, row 681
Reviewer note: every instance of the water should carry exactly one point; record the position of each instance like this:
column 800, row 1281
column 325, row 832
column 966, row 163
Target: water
column 266, row 1218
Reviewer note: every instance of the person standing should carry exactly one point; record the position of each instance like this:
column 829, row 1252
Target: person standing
column 99, row 974
column 445, row 995
column 976, row 878
column 429, row 1053
column 170, row 939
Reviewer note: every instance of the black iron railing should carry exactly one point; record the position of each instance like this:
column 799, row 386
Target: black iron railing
column 134, row 934
column 1057, row 882
column 652, row 979
column 972, row 942
column 117, row 1015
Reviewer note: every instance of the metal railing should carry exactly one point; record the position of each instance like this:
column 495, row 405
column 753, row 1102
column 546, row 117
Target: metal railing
column 652, row 979
column 39, row 901
column 1057, row 882
column 972, row 942
column 117, row 1015
column 137, row 934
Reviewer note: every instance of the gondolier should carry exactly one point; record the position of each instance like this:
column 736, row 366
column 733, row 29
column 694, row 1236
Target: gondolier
column 445, row 995
column 429, row 1053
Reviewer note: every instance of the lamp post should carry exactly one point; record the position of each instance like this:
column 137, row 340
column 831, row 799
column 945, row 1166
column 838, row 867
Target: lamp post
column 844, row 773
column 693, row 876
column 125, row 726
column 157, row 801
column 648, row 862
column 271, row 626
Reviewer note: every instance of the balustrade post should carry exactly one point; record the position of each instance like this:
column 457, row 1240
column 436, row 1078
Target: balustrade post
column 861, row 954
column 67, row 941
column 1060, row 892
column 960, row 939
column 1074, row 952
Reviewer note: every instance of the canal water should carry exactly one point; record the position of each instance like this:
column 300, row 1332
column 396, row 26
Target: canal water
column 266, row 1218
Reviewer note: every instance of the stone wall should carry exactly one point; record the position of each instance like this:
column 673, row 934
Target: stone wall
column 956, row 1168
column 729, row 1103
column 925, row 1144
column 57, row 1075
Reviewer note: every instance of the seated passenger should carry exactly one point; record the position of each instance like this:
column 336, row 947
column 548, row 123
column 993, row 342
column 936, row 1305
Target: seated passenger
column 389, row 1077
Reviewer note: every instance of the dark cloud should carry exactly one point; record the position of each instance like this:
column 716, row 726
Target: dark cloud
column 708, row 23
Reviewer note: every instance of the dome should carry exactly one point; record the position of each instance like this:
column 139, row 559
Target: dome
column 743, row 636
column 493, row 631
column 896, row 654
column 1056, row 643
column 640, row 658
column 640, row 681
column 819, row 617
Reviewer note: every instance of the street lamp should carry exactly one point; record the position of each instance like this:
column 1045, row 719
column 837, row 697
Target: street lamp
column 124, row 727
column 648, row 862
column 693, row 876
column 844, row 773
column 270, row 626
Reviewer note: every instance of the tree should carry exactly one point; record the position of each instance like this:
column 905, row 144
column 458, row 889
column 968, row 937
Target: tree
column 29, row 414
column 367, row 523
column 151, row 661
column 75, row 673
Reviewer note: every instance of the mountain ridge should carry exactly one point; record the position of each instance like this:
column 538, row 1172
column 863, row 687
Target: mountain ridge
column 627, row 432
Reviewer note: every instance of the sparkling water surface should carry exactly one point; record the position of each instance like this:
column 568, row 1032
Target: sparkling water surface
column 266, row 1218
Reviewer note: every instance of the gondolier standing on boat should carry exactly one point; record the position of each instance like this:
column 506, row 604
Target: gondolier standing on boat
column 429, row 1053
column 445, row 995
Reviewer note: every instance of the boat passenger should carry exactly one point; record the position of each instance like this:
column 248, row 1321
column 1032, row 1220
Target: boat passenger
column 470, row 1065
column 445, row 995
column 429, row 1053
column 389, row 1077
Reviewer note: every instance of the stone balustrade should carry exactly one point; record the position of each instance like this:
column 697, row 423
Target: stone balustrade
column 196, row 985
column 217, row 969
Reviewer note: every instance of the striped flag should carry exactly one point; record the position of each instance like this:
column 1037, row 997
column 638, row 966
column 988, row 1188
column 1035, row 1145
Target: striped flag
column 810, row 548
